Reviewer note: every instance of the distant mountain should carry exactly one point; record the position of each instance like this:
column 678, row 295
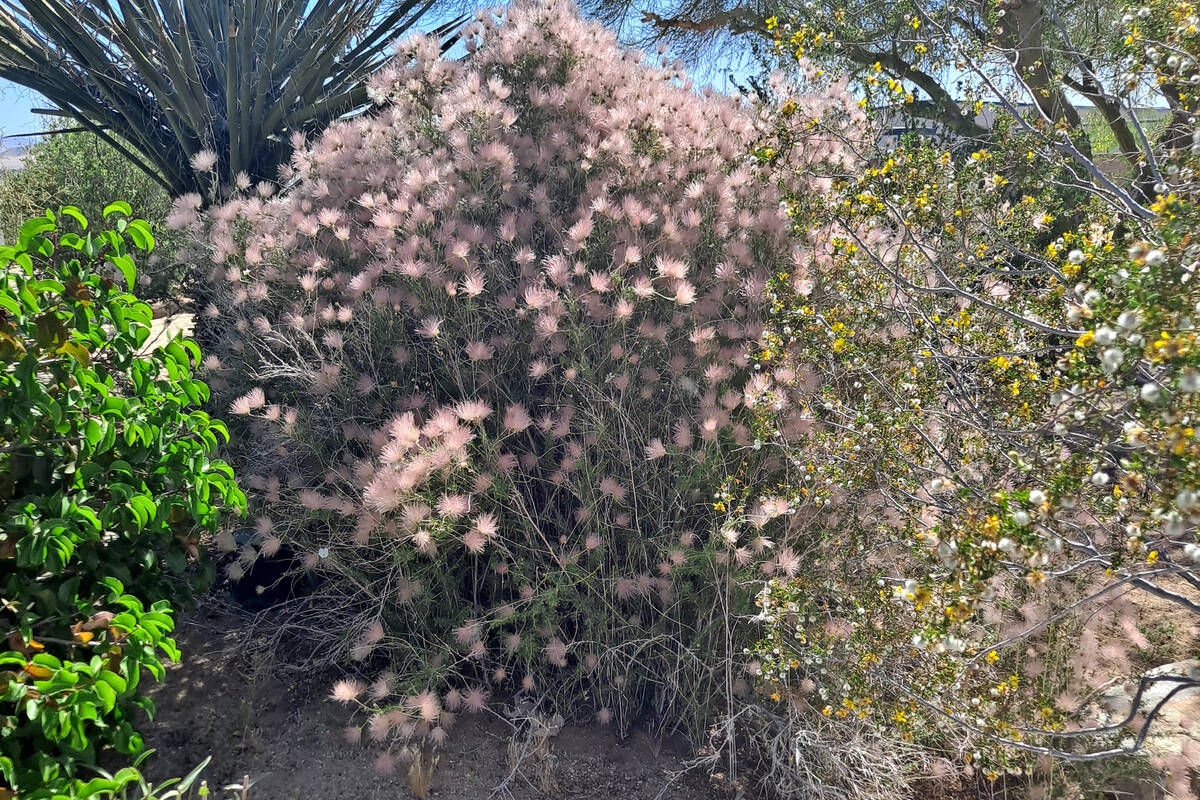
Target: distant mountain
column 11, row 156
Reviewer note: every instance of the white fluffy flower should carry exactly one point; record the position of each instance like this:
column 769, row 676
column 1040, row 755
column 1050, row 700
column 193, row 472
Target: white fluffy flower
column 203, row 161
column 1130, row 320
column 1135, row 435
column 1110, row 359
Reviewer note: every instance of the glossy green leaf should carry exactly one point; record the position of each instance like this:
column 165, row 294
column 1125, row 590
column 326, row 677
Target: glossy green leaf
column 118, row 207
column 110, row 459
column 32, row 229
column 126, row 266
column 140, row 233
column 77, row 215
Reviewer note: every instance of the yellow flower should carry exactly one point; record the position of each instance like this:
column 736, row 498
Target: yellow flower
column 958, row 612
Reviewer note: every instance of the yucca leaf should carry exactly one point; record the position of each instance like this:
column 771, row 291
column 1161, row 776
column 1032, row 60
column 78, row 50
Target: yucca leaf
column 172, row 77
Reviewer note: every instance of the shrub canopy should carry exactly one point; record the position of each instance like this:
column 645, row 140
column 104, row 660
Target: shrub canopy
column 107, row 475
column 491, row 350
column 1000, row 343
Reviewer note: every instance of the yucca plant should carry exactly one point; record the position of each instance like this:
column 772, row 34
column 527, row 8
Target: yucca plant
column 182, row 81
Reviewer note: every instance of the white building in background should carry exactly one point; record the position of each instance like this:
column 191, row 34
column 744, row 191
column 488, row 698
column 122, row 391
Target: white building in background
column 1153, row 120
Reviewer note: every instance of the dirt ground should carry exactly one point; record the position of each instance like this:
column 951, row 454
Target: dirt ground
column 287, row 736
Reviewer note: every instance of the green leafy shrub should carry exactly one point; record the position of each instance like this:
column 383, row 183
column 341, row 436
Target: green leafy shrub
column 83, row 170
column 106, row 474
column 87, row 172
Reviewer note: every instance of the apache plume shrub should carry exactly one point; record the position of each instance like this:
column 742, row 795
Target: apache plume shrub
column 490, row 350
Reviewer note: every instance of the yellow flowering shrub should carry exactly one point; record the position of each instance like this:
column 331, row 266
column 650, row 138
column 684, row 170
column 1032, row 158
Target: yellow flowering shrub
column 985, row 383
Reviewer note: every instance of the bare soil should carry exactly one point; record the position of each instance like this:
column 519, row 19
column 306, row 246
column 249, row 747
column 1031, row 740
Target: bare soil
column 287, row 737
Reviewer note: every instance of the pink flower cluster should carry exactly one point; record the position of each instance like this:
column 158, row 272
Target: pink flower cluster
column 490, row 348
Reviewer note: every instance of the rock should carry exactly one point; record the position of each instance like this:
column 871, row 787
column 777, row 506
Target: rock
column 1175, row 729
column 164, row 329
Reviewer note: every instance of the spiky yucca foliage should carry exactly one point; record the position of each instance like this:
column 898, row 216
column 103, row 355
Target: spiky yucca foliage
column 491, row 351
column 201, row 91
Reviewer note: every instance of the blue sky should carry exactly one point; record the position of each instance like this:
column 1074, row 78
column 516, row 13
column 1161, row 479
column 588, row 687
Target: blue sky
column 15, row 102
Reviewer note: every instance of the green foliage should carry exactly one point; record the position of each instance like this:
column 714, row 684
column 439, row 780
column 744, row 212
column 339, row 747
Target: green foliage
column 129, row 784
column 80, row 169
column 85, row 171
column 106, row 475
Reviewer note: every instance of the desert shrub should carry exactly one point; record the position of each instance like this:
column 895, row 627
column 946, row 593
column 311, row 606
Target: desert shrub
column 490, row 351
column 811, row 756
column 998, row 346
column 82, row 170
column 107, row 477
